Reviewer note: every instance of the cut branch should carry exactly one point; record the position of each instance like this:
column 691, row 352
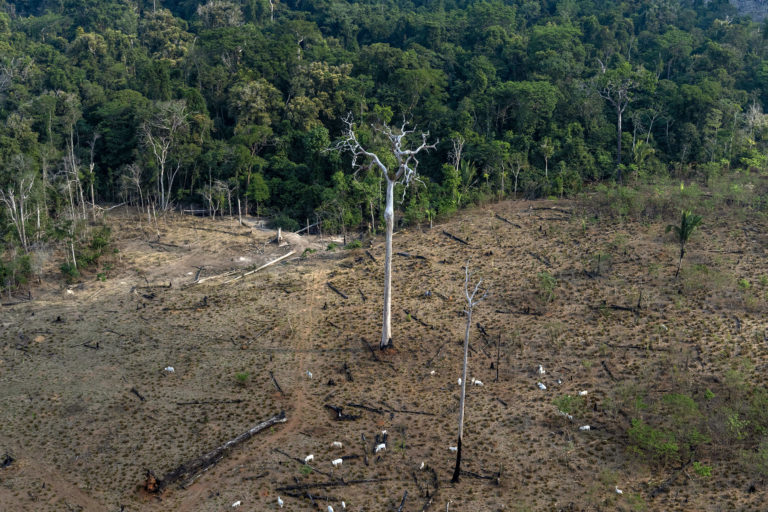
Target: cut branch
column 508, row 221
column 343, row 295
column 454, row 237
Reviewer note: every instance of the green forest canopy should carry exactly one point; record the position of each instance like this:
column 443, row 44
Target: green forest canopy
column 177, row 102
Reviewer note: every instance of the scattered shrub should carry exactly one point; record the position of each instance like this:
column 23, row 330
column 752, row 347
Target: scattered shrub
column 547, row 284
column 354, row 244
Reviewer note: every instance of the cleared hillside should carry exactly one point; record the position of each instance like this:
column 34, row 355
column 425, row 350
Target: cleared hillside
column 674, row 369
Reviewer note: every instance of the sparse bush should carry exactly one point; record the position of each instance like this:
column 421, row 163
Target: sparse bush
column 242, row 378
column 15, row 271
column 69, row 271
column 284, row 221
column 702, row 469
column 570, row 404
column 547, row 285
column 654, row 444
column 354, row 244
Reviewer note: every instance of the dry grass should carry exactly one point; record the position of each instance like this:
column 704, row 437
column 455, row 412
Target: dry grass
column 83, row 440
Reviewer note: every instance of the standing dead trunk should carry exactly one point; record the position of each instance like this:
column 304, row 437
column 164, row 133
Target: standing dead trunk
column 619, row 111
column 389, row 218
column 471, row 303
column 404, row 174
column 457, row 469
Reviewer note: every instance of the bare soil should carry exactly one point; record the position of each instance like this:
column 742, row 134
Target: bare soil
column 83, row 439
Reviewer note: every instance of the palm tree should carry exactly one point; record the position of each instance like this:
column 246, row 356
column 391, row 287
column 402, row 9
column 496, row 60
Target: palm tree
column 688, row 224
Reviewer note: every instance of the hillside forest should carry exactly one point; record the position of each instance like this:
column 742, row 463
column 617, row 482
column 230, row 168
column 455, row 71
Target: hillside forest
column 230, row 107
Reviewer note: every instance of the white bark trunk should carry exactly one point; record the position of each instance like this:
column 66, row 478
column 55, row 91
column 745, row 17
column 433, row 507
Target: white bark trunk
column 389, row 218
column 464, row 375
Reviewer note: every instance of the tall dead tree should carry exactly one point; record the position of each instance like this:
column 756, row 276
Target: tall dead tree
column 471, row 303
column 15, row 201
column 161, row 133
column 92, row 173
column 402, row 172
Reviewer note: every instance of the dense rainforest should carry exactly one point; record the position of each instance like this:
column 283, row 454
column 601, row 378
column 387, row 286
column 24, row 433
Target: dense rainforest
column 232, row 105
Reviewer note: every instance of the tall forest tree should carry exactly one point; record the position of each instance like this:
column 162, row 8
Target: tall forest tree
column 616, row 87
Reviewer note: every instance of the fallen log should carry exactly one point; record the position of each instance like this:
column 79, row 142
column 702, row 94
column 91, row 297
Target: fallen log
column 261, row 267
column 369, row 347
column 192, row 469
column 429, row 363
column 312, row 497
column 389, row 409
column 402, row 503
column 645, row 348
column 347, row 372
column 406, row 411
column 307, row 228
column 508, row 221
column 414, row 317
column 255, row 477
column 542, row 259
column 526, row 311
column 340, row 416
column 368, row 253
column 409, row 255
column 211, row 402
column 136, row 392
column 552, row 208
column 607, row 370
column 365, row 452
column 343, row 295
column 495, row 476
column 323, row 485
column 366, row 408
column 274, row 381
column 454, row 237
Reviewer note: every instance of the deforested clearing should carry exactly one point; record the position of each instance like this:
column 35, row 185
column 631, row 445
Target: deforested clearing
column 177, row 351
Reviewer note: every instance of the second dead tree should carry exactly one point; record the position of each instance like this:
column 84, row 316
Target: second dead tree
column 471, row 303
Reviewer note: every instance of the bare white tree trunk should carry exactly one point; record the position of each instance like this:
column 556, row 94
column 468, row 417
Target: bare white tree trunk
column 471, row 303
column 405, row 173
column 389, row 218
column 160, row 135
column 92, row 175
column 16, row 205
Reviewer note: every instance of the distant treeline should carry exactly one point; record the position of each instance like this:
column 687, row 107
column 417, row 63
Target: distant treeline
column 170, row 103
